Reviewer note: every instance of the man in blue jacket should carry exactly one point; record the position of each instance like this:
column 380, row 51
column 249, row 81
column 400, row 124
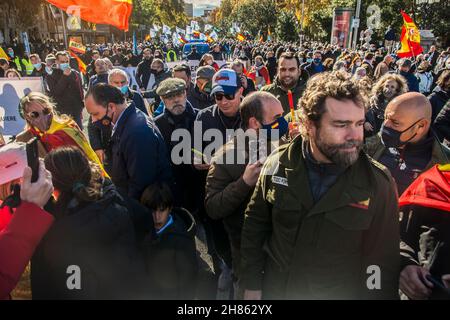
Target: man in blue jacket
column 139, row 154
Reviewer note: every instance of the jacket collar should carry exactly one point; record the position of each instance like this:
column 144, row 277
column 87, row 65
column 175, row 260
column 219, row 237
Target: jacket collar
column 120, row 126
column 349, row 187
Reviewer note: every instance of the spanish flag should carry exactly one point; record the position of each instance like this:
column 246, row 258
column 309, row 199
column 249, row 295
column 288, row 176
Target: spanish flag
column 240, row 37
column 431, row 189
column 113, row 12
column 410, row 38
column 196, row 34
column 66, row 133
column 182, row 39
column 3, row 54
column 80, row 62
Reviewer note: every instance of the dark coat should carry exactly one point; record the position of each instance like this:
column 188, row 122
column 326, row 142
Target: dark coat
column 143, row 73
column 66, row 91
column 438, row 98
column 198, row 99
column 295, row 248
column 413, row 83
column 171, row 259
column 99, row 238
column 183, row 174
column 98, row 78
column 442, row 123
column 139, row 154
column 425, row 235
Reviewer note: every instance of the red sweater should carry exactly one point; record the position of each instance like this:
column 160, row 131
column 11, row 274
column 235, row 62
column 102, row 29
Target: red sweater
column 18, row 241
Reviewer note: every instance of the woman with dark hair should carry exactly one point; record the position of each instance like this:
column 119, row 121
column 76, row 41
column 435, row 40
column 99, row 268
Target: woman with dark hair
column 92, row 238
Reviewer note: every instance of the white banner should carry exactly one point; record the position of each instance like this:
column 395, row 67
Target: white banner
column 11, row 91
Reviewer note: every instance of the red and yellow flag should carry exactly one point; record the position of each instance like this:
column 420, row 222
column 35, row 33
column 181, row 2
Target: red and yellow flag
column 410, row 38
column 431, row 189
column 113, row 12
column 3, row 54
column 66, row 133
column 80, row 62
column 240, row 37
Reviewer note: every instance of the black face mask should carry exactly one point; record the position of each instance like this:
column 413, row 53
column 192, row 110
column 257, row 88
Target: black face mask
column 105, row 122
column 391, row 137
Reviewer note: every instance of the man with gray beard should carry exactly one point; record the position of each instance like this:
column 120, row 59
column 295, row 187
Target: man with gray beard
column 323, row 219
column 178, row 115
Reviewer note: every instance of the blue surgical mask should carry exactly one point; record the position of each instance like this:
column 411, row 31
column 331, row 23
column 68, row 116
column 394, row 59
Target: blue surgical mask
column 64, row 66
column 49, row 70
column 124, row 90
column 280, row 124
column 309, row 60
column 317, row 61
column 11, row 53
column 37, row 65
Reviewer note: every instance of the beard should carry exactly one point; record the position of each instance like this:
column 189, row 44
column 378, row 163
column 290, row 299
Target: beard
column 336, row 152
column 288, row 82
column 177, row 109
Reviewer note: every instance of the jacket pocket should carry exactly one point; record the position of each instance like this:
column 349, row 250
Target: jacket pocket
column 342, row 230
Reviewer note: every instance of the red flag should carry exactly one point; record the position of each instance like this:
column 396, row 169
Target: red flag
column 410, row 38
column 113, row 12
column 431, row 189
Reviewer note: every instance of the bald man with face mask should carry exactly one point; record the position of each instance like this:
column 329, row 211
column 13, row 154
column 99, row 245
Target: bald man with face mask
column 405, row 144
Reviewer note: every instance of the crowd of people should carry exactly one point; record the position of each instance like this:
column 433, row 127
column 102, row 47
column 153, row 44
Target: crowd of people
column 159, row 168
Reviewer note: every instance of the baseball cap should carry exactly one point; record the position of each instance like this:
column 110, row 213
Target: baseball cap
column 226, row 81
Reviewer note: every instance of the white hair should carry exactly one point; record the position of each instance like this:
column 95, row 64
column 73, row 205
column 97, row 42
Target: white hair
column 115, row 71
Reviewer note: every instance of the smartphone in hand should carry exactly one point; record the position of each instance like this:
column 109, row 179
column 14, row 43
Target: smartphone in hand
column 33, row 158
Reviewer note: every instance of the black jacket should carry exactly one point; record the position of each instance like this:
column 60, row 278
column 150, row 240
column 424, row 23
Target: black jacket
column 184, row 173
column 66, row 91
column 139, row 154
column 425, row 235
column 143, row 73
column 98, row 78
column 442, row 123
column 100, row 239
column 438, row 98
column 171, row 259
column 200, row 100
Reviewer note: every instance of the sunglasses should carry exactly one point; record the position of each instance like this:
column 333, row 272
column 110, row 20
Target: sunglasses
column 220, row 96
column 36, row 114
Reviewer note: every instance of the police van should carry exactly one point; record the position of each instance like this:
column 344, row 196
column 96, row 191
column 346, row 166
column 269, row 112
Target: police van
column 202, row 47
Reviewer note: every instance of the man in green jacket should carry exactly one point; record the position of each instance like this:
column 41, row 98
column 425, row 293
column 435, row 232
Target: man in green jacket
column 323, row 220
column 289, row 78
column 236, row 166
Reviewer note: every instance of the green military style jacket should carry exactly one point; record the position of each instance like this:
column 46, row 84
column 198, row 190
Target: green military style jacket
column 293, row 248
column 282, row 96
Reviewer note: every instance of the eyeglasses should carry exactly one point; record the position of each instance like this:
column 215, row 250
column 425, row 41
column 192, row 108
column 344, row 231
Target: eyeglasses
column 36, row 114
column 220, row 96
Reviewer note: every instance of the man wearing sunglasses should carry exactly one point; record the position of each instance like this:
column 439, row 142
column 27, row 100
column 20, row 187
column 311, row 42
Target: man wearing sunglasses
column 220, row 117
column 406, row 145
